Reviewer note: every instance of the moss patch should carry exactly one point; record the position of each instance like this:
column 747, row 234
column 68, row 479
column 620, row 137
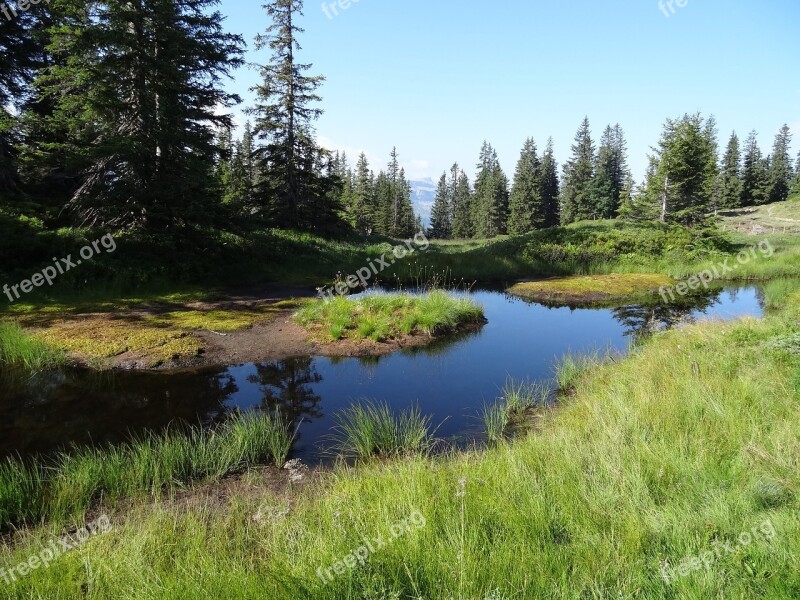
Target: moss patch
column 99, row 338
column 593, row 289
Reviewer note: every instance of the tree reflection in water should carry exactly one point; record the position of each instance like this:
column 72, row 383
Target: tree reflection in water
column 286, row 386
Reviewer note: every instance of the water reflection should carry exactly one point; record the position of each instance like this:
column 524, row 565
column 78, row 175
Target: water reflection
column 449, row 380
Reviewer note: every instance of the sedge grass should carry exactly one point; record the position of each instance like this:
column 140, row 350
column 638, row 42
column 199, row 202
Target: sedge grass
column 67, row 485
column 18, row 349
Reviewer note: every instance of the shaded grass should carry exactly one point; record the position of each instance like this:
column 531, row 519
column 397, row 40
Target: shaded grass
column 386, row 316
column 370, row 429
column 19, row 349
column 68, row 485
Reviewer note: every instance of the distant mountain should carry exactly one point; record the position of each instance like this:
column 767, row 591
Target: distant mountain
column 423, row 193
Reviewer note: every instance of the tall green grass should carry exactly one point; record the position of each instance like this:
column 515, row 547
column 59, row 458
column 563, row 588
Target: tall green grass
column 369, row 429
column 18, row 349
column 513, row 407
column 68, row 485
column 383, row 316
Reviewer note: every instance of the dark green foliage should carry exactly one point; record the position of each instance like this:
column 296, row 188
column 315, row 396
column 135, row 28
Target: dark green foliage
column 755, row 174
column 730, row 184
column 526, row 209
column 441, row 213
column 490, row 203
column 611, row 173
column 550, row 187
column 133, row 108
column 781, row 171
column 294, row 187
column 684, row 170
column 463, row 227
column 577, row 192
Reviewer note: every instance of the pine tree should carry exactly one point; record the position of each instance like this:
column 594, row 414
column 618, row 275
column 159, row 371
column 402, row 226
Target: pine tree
column 285, row 114
column 781, row 170
column 490, row 204
column 441, row 223
column 755, row 174
column 136, row 92
column 577, row 193
column 406, row 220
column 526, row 211
column 610, row 172
column 796, row 183
column 684, row 170
column 550, row 187
column 360, row 213
column 730, row 186
column 462, row 210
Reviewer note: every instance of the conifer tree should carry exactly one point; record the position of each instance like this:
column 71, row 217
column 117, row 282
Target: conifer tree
column 284, row 114
column 526, row 211
column 577, row 192
column 490, row 204
column 441, row 224
column 730, row 187
column 137, row 93
column 781, row 171
column 550, row 187
column 462, row 210
column 684, row 170
column 360, row 213
column 610, row 172
column 795, row 189
column 755, row 174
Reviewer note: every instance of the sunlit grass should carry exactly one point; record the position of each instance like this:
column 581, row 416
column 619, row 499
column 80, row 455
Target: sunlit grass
column 19, row 349
column 385, row 316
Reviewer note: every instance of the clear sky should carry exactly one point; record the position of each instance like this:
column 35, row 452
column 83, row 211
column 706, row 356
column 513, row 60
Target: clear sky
column 437, row 77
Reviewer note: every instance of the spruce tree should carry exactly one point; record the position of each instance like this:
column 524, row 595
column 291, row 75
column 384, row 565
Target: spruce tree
column 780, row 170
column 550, row 187
column 525, row 208
column 610, row 173
column 136, row 93
column 730, row 186
column 684, row 170
column 755, row 174
column 795, row 189
column 490, row 205
column 462, row 210
column 577, row 192
column 360, row 213
column 284, row 114
column 441, row 224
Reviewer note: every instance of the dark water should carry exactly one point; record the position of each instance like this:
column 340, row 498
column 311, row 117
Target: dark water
column 450, row 380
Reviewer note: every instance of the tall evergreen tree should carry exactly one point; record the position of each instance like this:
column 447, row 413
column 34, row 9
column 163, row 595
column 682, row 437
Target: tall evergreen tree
column 795, row 189
column 684, row 169
column 781, row 171
column 577, row 191
column 526, row 210
column 610, row 173
column 730, row 185
column 550, row 187
column 136, row 91
column 284, row 115
column 755, row 174
column 462, row 208
column 441, row 223
column 490, row 204
column 360, row 213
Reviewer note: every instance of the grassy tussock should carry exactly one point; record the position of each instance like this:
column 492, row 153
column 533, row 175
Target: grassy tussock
column 385, row 316
column 511, row 409
column 372, row 429
column 67, row 486
column 17, row 348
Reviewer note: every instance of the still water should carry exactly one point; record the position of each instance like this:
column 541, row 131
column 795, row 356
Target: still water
column 450, row 380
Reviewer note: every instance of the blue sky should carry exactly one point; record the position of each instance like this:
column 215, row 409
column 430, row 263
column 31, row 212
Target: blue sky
column 437, row 77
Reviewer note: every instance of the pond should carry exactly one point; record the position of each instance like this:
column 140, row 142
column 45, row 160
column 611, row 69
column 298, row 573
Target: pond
column 450, row 380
